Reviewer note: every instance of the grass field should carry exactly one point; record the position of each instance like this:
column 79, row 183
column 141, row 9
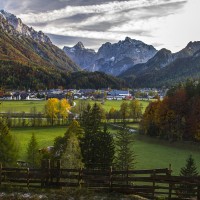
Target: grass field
column 151, row 153
column 44, row 136
column 21, row 106
column 26, row 106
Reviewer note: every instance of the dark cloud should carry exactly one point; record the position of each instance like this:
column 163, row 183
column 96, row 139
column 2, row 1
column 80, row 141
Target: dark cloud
column 67, row 20
column 36, row 6
column 103, row 26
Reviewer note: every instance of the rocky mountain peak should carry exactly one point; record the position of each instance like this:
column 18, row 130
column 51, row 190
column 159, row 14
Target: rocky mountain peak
column 189, row 50
column 79, row 45
column 111, row 58
column 23, row 29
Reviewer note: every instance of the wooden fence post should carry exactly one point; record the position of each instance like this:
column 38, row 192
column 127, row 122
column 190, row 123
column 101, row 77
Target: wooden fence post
column 48, row 174
column 198, row 192
column 110, row 178
column 58, row 167
column 80, row 177
column 42, row 172
column 127, row 177
column 28, row 177
column 0, row 173
column 154, row 184
column 170, row 185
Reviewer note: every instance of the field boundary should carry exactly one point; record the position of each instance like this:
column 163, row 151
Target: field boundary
column 146, row 183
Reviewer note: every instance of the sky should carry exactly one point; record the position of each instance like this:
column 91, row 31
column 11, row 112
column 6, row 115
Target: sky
column 167, row 24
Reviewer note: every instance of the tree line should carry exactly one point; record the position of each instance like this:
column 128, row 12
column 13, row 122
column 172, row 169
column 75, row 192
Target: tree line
column 177, row 117
column 60, row 112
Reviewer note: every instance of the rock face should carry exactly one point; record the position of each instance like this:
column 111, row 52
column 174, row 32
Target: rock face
column 111, row 58
column 83, row 57
column 23, row 29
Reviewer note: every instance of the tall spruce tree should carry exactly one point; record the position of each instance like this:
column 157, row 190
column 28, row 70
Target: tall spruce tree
column 106, row 148
column 8, row 146
column 125, row 157
column 33, row 156
column 96, row 145
column 190, row 170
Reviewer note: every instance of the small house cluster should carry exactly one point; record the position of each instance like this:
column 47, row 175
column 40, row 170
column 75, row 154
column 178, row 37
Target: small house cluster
column 102, row 94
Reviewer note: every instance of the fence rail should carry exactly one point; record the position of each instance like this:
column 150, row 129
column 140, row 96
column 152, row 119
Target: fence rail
column 146, row 183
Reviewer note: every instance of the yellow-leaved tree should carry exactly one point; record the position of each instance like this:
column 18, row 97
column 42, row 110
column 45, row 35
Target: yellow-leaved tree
column 64, row 108
column 51, row 109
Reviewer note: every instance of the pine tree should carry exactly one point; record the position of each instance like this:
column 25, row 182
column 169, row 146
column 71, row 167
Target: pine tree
column 96, row 146
column 8, row 146
column 125, row 157
column 190, row 170
column 106, row 149
column 33, row 156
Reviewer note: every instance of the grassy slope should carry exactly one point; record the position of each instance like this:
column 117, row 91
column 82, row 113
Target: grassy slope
column 150, row 153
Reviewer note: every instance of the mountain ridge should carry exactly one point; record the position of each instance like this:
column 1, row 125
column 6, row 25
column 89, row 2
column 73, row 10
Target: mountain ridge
column 110, row 57
column 164, row 65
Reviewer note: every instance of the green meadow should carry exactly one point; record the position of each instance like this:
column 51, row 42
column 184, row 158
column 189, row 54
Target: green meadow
column 150, row 153
column 21, row 106
column 26, row 106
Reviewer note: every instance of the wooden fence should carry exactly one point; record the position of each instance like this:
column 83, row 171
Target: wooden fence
column 146, row 183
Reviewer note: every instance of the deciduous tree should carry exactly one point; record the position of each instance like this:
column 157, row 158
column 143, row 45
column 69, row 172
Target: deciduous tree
column 51, row 109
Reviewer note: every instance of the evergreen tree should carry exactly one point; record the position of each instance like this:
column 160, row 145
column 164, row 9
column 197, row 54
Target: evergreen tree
column 106, row 149
column 67, row 148
column 190, row 170
column 96, row 145
column 8, row 147
column 125, row 157
column 33, row 156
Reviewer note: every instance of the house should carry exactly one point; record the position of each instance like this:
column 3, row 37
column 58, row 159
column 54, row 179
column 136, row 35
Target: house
column 118, row 94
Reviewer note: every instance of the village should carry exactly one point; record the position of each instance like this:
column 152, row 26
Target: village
column 102, row 94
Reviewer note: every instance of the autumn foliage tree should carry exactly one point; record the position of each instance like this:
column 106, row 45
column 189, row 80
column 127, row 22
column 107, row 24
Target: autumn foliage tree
column 55, row 107
column 177, row 117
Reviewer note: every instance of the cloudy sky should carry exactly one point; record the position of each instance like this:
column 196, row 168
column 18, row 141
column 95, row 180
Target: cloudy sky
column 162, row 23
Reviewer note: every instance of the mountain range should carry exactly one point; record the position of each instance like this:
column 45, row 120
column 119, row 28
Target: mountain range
column 139, row 64
column 111, row 58
column 28, row 59
column 166, row 68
